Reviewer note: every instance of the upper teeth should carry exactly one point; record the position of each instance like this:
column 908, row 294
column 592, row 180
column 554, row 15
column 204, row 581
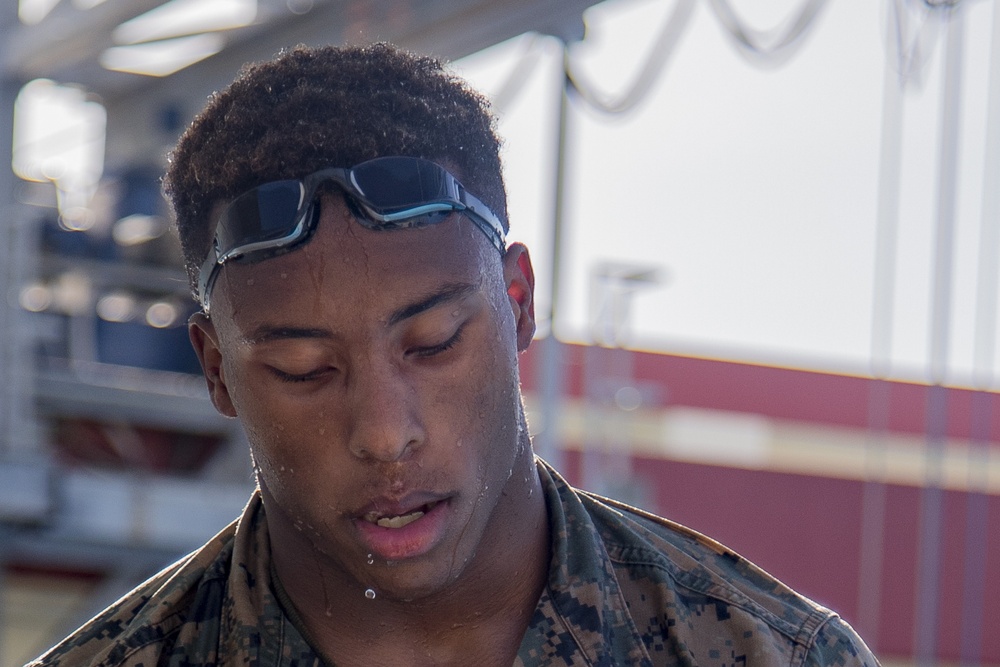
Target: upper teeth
column 399, row 521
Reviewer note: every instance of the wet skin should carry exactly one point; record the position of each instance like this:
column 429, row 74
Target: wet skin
column 375, row 373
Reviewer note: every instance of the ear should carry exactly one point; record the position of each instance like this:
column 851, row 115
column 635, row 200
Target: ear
column 205, row 340
column 520, row 280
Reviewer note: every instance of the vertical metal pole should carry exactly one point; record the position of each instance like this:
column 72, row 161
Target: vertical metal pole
column 551, row 368
column 977, row 524
column 929, row 545
column 18, row 250
column 977, row 530
column 8, row 93
column 883, row 300
column 9, row 87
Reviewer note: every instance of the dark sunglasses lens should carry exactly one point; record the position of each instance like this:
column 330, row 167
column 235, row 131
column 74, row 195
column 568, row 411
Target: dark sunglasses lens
column 396, row 183
column 262, row 214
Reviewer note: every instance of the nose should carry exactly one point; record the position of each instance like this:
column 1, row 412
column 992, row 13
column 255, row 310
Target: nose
column 384, row 413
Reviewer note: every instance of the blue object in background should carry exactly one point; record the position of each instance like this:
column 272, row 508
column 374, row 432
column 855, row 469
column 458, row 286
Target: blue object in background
column 140, row 345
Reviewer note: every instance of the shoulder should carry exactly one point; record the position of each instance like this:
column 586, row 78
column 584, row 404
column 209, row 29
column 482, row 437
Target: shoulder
column 144, row 623
column 711, row 602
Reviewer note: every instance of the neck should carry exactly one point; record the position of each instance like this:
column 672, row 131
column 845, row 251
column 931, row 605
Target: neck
column 483, row 612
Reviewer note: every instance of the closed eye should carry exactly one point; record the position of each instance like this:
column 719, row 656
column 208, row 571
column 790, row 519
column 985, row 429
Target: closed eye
column 299, row 377
column 433, row 350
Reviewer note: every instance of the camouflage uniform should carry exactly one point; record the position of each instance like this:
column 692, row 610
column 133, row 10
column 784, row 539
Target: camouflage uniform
column 625, row 588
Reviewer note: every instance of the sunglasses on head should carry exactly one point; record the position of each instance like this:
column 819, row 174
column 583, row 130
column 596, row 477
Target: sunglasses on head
column 384, row 193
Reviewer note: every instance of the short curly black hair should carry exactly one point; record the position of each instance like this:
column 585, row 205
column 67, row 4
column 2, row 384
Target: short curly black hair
column 311, row 108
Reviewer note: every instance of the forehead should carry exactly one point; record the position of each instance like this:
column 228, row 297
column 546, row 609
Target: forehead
column 355, row 271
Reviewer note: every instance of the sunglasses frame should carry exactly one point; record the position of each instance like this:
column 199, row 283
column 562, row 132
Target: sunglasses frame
column 454, row 198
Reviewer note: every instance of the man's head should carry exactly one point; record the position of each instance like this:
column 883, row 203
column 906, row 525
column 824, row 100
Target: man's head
column 309, row 109
column 374, row 367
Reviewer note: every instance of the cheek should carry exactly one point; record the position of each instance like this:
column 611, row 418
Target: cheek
column 272, row 451
column 270, row 426
column 491, row 403
column 294, row 466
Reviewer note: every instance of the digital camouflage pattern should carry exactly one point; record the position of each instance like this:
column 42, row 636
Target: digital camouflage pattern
column 625, row 588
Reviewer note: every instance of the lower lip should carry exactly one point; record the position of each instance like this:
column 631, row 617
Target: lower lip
column 414, row 539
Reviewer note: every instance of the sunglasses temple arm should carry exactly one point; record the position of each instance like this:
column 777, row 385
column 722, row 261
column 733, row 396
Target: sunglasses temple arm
column 486, row 219
column 206, row 278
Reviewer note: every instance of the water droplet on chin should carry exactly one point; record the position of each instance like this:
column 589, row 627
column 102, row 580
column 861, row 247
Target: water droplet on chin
column 250, row 282
column 370, row 594
column 371, row 559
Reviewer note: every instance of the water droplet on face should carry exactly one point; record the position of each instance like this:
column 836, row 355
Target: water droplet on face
column 371, row 559
column 322, row 431
column 250, row 282
column 370, row 594
column 284, row 275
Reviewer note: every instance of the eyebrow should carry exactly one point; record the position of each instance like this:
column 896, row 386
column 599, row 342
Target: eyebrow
column 266, row 334
column 445, row 294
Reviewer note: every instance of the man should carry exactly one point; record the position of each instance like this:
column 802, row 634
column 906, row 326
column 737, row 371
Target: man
column 343, row 215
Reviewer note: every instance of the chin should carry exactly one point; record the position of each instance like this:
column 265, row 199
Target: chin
column 412, row 587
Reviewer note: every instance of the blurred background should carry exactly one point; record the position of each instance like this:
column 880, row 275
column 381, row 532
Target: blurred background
column 766, row 237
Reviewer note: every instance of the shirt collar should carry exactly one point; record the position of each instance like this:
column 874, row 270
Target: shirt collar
column 255, row 629
column 582, row 613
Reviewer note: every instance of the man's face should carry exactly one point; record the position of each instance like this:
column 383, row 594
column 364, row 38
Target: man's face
column 375, row 373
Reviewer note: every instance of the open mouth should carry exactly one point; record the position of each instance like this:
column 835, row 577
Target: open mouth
column 398, row 521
